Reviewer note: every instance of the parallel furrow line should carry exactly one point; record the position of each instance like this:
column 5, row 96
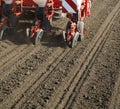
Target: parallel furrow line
column 62, row 99
column 5, row 68
column 10, row 53
column 32, row 82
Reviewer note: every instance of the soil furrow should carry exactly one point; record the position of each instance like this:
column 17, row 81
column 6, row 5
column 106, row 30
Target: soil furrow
column 24, row 64
column 5, row 51
column 68, row 96
column 31, row 100
column 46, row 72
column 85, row 72
column 7, row 56
column 6, row 43
column 32, row 77
column 17, row 54
column 115, row 101
column 48, row 76
column 6, row 67
column 97, row 88
column 3, row 45
column 5, row 48
column 51, row 68
column 56, row 70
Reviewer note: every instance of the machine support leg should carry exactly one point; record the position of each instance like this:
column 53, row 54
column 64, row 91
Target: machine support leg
column 64, row 37
column 80, row 27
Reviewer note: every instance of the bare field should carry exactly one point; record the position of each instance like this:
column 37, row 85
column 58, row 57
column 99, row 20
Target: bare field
column 53, row 76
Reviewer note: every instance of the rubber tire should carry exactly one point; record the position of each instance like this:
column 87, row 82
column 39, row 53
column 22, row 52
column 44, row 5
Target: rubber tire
column 80, row 38
column 1, row 34
column 37, row 37
column 28, row 35
column 74, row 40
column 40, row 33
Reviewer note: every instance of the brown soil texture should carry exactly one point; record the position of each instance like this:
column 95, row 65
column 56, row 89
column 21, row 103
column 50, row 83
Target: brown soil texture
column 103, row 78
column 51, row 75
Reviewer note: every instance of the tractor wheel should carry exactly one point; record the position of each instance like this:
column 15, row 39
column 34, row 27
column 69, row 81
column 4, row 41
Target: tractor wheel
column 64, row 36
column 81, row 37
column 37, row 37
column 1, row 34
column 40, row 33
column 28, row 35
column 74, row 40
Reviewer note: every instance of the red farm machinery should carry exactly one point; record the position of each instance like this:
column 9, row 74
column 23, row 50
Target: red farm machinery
column 75, row 10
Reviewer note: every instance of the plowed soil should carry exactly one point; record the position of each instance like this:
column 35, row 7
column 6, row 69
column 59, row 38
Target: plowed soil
column 51, row 75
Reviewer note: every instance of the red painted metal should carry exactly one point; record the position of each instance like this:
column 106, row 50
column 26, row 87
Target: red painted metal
column 28, row 3
column 3, row 22
column 71, row 31
column 57, row 4
column 35, row 29
column 85, row 9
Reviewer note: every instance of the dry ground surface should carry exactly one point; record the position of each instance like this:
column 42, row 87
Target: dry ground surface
column 51, row 75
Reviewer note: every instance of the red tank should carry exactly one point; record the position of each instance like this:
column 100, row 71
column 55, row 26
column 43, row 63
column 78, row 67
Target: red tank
column 28, row 3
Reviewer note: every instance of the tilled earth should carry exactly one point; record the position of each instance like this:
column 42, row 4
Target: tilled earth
column 53, row 76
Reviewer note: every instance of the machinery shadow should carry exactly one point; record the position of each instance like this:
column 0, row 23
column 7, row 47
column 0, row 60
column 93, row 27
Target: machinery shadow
column 17, row 35
column 53, row 38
